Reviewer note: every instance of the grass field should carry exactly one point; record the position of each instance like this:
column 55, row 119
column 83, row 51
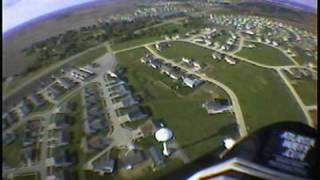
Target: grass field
column 314, row 116
column 134, row 42
column 29, row 176
column 306, row 89
column 178, row 50
column 302, row 57
column 90, row 56
column 183, row 114
column 265, row 54
column 11, row 152
column 221, row 39
column 261, row 93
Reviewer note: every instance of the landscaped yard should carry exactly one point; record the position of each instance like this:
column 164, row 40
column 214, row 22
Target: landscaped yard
column 261, row 93
column 264, row 54
column 195, row 130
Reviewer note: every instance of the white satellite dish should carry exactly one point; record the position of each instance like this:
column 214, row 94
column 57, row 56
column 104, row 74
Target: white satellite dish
column 229, row 143
column 163, row 135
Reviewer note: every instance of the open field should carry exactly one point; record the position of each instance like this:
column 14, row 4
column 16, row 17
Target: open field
column 195, row 135
column 314, row 116
column 134, row 42
column 12, row 151
column 261, row 93
column 29, row 176
column 90, row 56
column 306, row 89
column 264, row 54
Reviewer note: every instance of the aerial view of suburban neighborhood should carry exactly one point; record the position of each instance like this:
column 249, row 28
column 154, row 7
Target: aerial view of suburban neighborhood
column 139, row 89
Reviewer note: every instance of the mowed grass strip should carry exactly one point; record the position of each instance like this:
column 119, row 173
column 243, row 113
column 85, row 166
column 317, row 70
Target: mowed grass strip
column 264, row 54
column 263, row 97
column 195, row 130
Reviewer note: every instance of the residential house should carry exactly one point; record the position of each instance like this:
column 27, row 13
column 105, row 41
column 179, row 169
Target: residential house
column 37, row 100
column 131, row 159
column 155, row 63
column 192, row 82
column 60, row 138
column 136, row 114
column 97, row 142
column 156, row 156
column 65, row 83
column 24, row 108
column 217, row 106
column 103, row 166
column 230, row 60
column 54, row 92
column 59, row 160
column 8, row 138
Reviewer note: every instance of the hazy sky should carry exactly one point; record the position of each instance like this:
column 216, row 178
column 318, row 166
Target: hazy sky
column 17, row 12
column 311, row 3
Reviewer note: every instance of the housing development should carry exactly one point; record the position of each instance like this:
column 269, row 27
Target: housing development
column 193, row 79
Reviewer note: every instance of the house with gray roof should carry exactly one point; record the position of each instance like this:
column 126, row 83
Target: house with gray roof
column 104, row 166
column 65, row 83
column 37, row 100
column 24, row 109
column 136, row 114
column 217, row 106
column 131, row 159
column 156, row 156
column 191, row 81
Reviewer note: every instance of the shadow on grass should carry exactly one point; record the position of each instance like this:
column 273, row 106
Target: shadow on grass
column 226, row 130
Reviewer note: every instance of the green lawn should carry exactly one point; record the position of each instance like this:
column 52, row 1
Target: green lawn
column 178, row 50
column 306, row 88
column 11, row 152
column 301, row 56
column 90, row 56
column 265, row 55
column 29, row 176
column 221, row 39
column 183, row 114
column 261, row 93
column 134, row 42
column 314, row 116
